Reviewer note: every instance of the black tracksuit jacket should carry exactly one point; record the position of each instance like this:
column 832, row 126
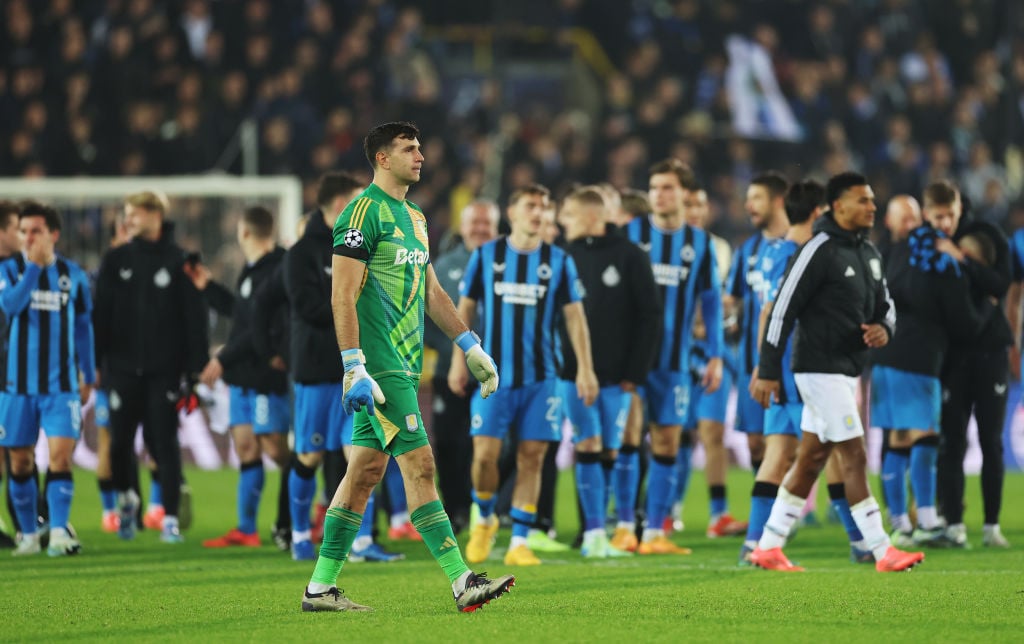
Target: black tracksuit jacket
column 623, row 309
column 833, row 284
column 307, row 277
column 933, row 310
column 243, row 366
column 148, row 317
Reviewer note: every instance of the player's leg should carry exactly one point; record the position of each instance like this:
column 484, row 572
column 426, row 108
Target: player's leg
column 957, row 403
column 750, row 421
column 684, row 460
column 489, row 424
column 275, row 446
column 241, row 411
column 61, row 417
column 669, row 398
column 399, row 525
column 626, row 477
column 161, row 419
column 834, row 479
column 782, row 436
column 584, row 424
column 104, row 476
column 539, row 426
column 539, row 538
column 127, row 402
column 313, row 420
column 895, row 467
column 344, row 517
column 991, row 386
column 453, row 451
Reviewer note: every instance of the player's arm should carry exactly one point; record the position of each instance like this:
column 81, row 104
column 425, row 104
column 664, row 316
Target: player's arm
column 467, row 343
column 441, row 309
column 882, row 326
column 84, row 345
column 102, row 313
column 15, row 297
column 1013, row 305
column 711, row 306
column 801, row 281
column 579, row 337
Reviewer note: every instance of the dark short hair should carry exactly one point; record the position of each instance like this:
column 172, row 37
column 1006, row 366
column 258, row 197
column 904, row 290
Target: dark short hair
column 801, row 200
column 380, row 138
column 36, row 209
column 259, row 221
column 940, row 193
column 335, row 184
column 773, row 182
column 635, row 202
column 587, row 196
column 529, row 189
column 684, row 173
column 842, row 182
column 8, row 210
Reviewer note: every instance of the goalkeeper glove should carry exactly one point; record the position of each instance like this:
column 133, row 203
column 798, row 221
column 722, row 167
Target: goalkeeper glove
column 480, row 364
column 359, row 389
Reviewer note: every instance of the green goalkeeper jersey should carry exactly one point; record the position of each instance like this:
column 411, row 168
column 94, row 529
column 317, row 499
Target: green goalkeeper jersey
column 390, row 237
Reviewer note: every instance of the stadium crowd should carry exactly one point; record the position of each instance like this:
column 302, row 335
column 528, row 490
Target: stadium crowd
column 711, row 314
column 904, row 90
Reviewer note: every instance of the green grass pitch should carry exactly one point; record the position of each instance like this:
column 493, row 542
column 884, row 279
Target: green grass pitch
column 147, row 591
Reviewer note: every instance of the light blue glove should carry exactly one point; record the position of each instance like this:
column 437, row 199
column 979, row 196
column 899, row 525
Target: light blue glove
column 359, row 389
column 480, row 364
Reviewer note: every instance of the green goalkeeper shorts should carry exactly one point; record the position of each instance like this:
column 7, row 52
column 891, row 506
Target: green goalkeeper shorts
column 396, row 426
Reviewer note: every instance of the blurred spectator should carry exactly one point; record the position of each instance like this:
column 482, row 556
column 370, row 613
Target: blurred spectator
column 910, row 91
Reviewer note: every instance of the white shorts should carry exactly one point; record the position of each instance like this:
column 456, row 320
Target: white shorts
column 830, row 406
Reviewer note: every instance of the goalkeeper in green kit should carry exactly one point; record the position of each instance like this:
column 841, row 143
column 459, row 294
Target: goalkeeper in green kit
column 382, row 283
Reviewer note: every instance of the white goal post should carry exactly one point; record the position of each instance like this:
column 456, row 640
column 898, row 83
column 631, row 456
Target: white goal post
column 287, row 190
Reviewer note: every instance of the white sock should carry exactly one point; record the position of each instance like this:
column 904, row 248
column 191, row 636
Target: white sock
column 901, row 522
column 315, row 588
column 596, row 533
column 399, row 519
column 859, row 545
column 301, row 535
column 517, row 541
column 460, row 583
column 785, row 512
column 362, row 543
column 927, row 517
column 651, row 534
column 868, row 517
column 629, row 525
column 170, row 522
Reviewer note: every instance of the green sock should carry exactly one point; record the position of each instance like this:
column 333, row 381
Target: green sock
column 340, row 529
column 433, row 525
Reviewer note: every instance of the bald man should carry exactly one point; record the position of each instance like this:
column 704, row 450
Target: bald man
column 902, row 215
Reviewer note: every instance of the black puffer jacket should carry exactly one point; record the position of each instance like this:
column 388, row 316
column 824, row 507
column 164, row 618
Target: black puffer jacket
column 834, row 284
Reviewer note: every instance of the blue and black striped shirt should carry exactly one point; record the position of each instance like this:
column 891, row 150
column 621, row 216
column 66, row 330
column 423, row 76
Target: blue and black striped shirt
column 685, row 268
column 49, row 334
column 522, row 295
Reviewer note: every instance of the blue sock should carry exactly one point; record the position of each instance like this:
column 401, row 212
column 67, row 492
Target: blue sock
column 761, row 501
column 894, row 480
column 683, row 459
column 250, row 488
column 627, row 482
column 486, row 505
column 366, row 527
column 396, row 488
column 301, row 488
column 108, row 495
column 922, row 473
column 608, row 472
column 156, row 492
column 60, row 490
column 719, row 504
column 590, row 487
column 661, row 484
column 25, row 497
column 837, row 496
column 522, row 521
